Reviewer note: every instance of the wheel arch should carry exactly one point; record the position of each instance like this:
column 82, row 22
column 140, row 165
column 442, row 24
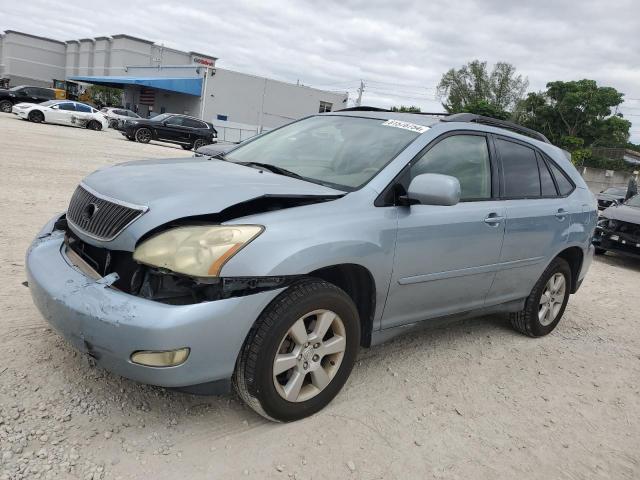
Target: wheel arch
column 574, row 256
column 357, row 282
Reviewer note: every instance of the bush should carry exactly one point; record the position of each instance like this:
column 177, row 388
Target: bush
column 583, row 157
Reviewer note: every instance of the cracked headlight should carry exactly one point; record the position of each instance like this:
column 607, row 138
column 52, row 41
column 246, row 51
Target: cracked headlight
column 198, row 251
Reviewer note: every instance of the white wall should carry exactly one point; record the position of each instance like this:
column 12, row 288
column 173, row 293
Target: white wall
column 28, row 57
column 259, row 101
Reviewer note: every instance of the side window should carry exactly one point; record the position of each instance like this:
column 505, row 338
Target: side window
column 175, row 121
column 546, row 180
column 190, row 122
column 465, row 157
column 83, row 108
column 519, row 170
column 67, row 106
column 325, row 107
column 564, row 185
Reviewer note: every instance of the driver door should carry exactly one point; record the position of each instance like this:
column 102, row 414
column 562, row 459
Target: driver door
column 62, row 113
column 446, row 256
column 174, row 130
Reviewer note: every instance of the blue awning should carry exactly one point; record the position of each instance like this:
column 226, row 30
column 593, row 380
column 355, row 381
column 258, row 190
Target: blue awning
column 186, row 85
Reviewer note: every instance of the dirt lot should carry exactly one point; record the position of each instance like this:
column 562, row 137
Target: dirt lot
column 472, row 400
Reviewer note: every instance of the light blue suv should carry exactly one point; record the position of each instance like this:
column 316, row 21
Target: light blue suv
column 270, row 264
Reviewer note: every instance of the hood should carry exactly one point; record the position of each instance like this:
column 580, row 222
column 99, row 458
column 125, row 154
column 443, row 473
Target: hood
column 624, row 213
column 608, row 196
column 185, row 187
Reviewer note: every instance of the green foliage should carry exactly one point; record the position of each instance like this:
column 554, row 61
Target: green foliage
column 105, row 95
column 583, row 157
column 406, row 109
column 472, row 88
column 576, row 110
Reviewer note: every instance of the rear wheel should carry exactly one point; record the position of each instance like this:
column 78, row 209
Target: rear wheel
column 113, row 123
column 300, row 352
column 546, row 303
column 36, row 116
column 199, row 143
column 143, row 135
column 94, row 125
column 5, row 106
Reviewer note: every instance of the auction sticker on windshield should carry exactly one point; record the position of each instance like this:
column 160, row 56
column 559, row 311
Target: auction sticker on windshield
column 406, row 125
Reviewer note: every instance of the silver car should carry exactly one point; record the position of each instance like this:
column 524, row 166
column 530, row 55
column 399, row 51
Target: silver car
column 117, row 117
column 268, row 266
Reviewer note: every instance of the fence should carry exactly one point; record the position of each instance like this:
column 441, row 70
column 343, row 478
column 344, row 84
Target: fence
column 598, row 179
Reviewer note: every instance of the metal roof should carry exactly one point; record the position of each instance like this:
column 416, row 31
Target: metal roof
column 186, row 85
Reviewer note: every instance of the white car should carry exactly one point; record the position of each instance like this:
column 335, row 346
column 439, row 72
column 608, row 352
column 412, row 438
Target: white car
column 118, row 116
column 62, row 112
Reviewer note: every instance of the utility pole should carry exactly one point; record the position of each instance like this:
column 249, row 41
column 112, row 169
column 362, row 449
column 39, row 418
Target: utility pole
column 360, row 91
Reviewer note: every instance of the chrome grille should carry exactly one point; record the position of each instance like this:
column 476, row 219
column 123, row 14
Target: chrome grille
column 98, row 216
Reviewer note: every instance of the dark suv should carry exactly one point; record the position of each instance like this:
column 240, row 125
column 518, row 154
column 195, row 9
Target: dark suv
column 189, row 132
column 24, row 94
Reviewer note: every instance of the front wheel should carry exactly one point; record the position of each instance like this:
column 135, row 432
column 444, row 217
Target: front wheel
column 36, row 116
column 546, row 303
column 5, row 106
column 94, row 125
column 199, row 143
column 300, row 352
column 143, row 135
column 113, row 123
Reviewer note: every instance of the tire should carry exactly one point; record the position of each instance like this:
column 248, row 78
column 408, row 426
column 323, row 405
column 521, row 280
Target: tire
column 36, row 116
column 303, row 303
column 143, row 135
column 6, row 106
column 528, row 321
column 199, row 143
column 94, row 125
column 113, row 124
column 600, row 251
column 186, row 147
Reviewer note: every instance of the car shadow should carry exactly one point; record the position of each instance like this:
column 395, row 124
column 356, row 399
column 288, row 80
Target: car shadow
column 617, row 260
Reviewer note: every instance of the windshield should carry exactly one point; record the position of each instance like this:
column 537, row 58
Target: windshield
column 48, row 103
column 615, row 191
column 633, row 201
column 337, row 151
column 161, row 117
column 18, row 87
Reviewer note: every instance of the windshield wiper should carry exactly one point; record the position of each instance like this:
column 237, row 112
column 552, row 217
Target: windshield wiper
column 273, row 169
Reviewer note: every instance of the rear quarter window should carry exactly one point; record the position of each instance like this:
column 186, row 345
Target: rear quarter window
column 564, row 184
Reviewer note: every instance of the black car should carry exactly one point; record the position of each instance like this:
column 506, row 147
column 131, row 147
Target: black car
column 611, row 196
column 26, row 94
column 618, row 229
column 189, row 132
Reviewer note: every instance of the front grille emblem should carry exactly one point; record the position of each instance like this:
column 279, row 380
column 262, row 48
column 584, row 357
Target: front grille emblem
column 89, row 211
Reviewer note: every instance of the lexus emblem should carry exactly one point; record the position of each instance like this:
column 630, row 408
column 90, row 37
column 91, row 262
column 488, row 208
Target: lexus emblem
column 89, row 211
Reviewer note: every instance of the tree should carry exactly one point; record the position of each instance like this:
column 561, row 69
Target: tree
column 472, row 88
column 404, row 109
column 576, row 114
column 108, row 96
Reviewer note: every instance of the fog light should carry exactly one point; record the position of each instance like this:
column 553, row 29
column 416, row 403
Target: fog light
column 168, row 358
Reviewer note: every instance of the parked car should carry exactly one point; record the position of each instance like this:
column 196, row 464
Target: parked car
column 273, row 263
column 611, row 196
column 189, row 132
column 24, row 93
column 618, row 229
column 62, row 112
column 118, row 116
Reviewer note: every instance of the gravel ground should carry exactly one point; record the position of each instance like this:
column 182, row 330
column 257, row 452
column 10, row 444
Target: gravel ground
column 471, row 400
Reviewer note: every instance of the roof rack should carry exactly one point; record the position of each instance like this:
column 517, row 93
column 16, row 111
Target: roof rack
column 376, row 109
column 494, row 122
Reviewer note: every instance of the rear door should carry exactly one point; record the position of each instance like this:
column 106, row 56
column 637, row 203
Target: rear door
column 446, row 256
column 83, row 114
column 538, row 219
column 173, row 130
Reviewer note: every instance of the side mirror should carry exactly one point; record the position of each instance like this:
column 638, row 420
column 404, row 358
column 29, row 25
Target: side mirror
column 434, row 189
column 55, row 107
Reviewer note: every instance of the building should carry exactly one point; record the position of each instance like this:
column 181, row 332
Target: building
column 157, row 79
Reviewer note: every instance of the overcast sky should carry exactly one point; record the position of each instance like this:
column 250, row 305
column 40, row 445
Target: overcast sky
column 399, row 48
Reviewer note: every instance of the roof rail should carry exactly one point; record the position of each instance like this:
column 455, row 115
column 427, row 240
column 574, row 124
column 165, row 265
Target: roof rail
column 376, row 109
column 494, row 122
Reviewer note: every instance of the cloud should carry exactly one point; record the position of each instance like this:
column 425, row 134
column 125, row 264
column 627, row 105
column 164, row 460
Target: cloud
column 400, row 48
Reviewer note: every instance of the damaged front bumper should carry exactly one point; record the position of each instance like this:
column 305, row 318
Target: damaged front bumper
column 615, row 241
column 111, row 325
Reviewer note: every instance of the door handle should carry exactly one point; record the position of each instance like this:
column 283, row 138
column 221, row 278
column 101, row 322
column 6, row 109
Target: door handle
column 493, row 219
column 561, row 214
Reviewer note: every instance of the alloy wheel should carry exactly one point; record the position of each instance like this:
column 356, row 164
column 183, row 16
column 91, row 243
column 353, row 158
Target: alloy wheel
column 309, row 355
column 552, row 299
column 143, row 135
